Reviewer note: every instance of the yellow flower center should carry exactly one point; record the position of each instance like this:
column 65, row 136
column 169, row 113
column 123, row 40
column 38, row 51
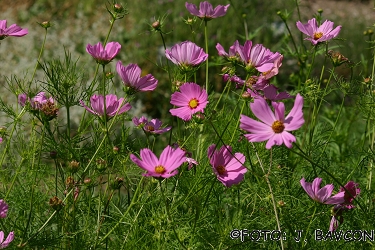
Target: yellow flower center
column 159, row 169
column 318, row 35
column 150, row 128
column 278, row 127
column 221, row 170
column 193, row 103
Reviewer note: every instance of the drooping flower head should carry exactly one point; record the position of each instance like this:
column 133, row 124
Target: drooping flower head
column 206, row 11
column 42, row 106
column 3, row 209
column 352, row 192
column 131, row 76
column 113, row 105
column 322, row 195
column 12, row 30
column 190, row 100
column 324, row 32
column 103, row 55
column 7, row 241
column 256, row 57
column 165, row 167
column 186, row 55
column 274, row 127
column 227, row 166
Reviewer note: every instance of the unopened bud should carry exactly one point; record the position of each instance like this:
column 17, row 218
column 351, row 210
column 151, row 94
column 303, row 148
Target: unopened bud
column 73, row 166
column 117, row 183
column 45, row 24
column 156, row 25
column 118, row 8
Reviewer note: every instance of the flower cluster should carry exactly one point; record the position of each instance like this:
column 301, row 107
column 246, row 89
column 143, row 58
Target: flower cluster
column 41, row 106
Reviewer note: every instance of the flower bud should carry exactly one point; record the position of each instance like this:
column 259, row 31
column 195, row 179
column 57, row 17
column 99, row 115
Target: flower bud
column 156, row 25
column 45, row 24
column 56, row 203
column 73, row 166
column 117, row 183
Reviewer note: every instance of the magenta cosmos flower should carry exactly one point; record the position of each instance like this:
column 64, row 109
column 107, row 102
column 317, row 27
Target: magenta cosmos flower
column 153, row 127
column 13, row 30
column 9, row 239
column 319, row 34
column 3, row 209
column 322, row 195
column 274, row 127
column 258, row 56
column 165, row 167
column 351, row 191
column 190, row 100
column 186, row 55
column 227, row 166
column 113, row 105
column 131, row 76
column 206, row 11
column 103, row 55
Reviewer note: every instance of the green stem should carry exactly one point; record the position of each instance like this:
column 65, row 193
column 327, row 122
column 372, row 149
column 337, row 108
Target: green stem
column 206, row 43
column 307, row 231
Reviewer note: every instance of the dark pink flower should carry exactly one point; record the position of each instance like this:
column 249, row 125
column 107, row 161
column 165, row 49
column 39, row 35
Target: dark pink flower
column 274, row 127
column 22, row 99
column 206, row 11
column 186, row 55
column 319, row 34
column 131, row 76
column 40, row 100
column 227, row 166
column 3, row 209
column 322, row 195
column 190, row 100
column 270, row 93
column 9, row 239
column 352, row 192
column 139, row 122
column 13, row 30
column 113, row 105
column 103, row 55
column 258, row 56
column 165, row 167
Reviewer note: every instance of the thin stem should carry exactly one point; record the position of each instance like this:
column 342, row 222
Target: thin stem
column 169, row 215
column 308, row 227
column 271, row 192
column 40, row 56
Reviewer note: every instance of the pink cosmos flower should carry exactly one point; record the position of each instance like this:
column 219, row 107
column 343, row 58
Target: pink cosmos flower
column 103, row 55
column 274, row 127
column 165, row 167
column 113, row 105
column 337, row 217
column 40, row 100
column 9, row 239
column 319, row 34
column 186, row 55
column 131, row 76
column 190, row 100
column 258, row 56
column 322, row 195
column 191, row 162
column 206, row 11
column 227, row 166
column 352, row 192
column 13, row 30
column 3, row 209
